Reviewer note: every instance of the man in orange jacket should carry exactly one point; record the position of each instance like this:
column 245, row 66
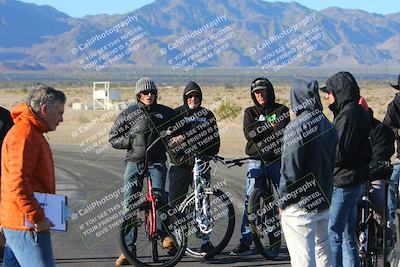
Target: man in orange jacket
column 27, row 167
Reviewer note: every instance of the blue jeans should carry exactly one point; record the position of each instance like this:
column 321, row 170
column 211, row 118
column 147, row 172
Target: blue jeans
column 158, row 172
column 27, row 248
column 257, row 172
column 343, row 224
column 392, row 193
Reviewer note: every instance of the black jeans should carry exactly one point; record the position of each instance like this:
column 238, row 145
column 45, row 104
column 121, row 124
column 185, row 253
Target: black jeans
column 179, row 181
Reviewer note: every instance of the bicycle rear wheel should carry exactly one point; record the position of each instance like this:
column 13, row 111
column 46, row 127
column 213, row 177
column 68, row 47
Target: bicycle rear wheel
column 265, row 223
column 148, row 250
column 222, row 218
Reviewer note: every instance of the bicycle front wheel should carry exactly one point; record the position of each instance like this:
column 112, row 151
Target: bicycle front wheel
column 222, row 218
column 265, row 223
column 369, row 258
column 142, row 249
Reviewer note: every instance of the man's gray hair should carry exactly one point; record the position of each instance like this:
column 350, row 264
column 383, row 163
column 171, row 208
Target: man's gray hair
column 42, row 94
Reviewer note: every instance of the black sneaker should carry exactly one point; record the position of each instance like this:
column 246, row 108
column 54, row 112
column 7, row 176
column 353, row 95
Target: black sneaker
column 207, row 247
column 172, row 252
column 241, row 250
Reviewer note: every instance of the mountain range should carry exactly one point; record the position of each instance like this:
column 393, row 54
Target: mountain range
column 191, row 33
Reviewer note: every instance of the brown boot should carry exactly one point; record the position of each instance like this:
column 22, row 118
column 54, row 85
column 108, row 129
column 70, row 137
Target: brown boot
column 121, row 261
column 167, row 243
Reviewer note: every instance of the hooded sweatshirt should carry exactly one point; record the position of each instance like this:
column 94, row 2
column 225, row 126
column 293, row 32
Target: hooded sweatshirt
column 353, row 126
column 264, row 140
column 192, row 123
column 27, row 167
column 6, row 123
column 382, row 148
column 308, row 151
column 392, row 119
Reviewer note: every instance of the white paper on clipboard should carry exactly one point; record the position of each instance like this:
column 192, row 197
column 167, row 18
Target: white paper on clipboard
column 54, row 209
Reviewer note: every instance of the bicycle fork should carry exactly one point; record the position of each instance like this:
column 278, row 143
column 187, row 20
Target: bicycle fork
column 365, row 219
column 150, row 197
column 202, row 205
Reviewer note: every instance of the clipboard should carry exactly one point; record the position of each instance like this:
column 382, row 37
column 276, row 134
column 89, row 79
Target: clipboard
column 55, row 209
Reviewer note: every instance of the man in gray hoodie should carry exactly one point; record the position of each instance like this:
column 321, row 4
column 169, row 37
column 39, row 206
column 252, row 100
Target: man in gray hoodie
column 309, row 144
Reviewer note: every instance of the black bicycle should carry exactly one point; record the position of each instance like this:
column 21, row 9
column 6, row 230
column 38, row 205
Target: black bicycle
column 368, row 232
column 372, row 235
column 141, row 224
column 263, row 215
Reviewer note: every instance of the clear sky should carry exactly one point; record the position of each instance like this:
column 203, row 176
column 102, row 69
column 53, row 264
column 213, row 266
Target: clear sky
column 76, row 8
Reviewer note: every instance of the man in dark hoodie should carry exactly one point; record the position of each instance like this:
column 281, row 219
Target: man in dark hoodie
column 263, row 128
column 135, row 129
column 382, row 149
column 193, row 120
column 6, row 123
column 392, row 119
column 306, row 178
column 351, row 164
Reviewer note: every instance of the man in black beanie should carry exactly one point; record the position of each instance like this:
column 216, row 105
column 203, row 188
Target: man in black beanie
column 193, row 120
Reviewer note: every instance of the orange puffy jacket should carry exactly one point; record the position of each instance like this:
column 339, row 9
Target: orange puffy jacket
column 27, row 167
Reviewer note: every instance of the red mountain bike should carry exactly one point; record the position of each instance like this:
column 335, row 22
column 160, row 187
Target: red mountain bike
column 143, row 221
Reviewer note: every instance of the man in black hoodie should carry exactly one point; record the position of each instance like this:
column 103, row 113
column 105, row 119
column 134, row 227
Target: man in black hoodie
column 306, row 178
column 263, row 127
column 6, row 123
column 382, row 149
column 351, row 164
column 392, row 119
column 192, row 122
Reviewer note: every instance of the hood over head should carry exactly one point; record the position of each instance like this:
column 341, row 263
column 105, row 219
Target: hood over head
column 304, row 96
column 22, row 112
column 262, row 83
column 397, row 87
column 189, row 88
column 344, row 88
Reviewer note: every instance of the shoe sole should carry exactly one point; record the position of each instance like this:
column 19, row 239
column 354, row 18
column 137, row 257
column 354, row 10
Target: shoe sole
column 247, row 253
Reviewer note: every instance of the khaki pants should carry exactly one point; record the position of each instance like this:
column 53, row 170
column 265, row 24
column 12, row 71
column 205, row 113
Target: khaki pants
column 306, row 236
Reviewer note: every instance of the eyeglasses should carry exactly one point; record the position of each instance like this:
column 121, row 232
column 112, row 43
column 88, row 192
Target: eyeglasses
column 193, row 95
column 147, row 92
column 257, row 83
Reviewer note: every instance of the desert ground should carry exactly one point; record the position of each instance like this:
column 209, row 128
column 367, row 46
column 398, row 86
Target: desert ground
column 89, row 129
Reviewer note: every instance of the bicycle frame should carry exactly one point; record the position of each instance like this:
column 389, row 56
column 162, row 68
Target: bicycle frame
column 202, row 206
column 150, row 197
column 366, row 217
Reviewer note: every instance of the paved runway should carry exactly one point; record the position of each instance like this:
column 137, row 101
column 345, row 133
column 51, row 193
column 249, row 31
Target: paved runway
column 88, row 177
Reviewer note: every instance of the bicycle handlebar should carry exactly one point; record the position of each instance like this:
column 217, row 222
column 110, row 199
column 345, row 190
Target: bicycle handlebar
column 239, row 162
column 146, row 155
column 213, row 157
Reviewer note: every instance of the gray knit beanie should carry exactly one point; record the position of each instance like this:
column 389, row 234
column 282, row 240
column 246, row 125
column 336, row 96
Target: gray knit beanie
column 145, row 84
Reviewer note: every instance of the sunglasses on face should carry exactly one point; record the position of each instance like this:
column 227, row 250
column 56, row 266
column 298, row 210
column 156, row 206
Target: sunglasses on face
column 193, row 95
column 147, row 92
